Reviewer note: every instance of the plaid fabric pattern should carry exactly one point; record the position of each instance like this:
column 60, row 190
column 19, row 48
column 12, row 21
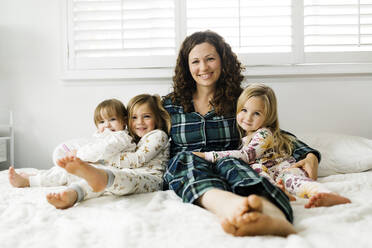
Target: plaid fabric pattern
column 190, row 176
column 194, row 132
column 300, row 149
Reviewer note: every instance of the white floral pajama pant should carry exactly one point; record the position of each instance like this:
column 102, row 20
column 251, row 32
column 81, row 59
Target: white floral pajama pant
column 295, row 180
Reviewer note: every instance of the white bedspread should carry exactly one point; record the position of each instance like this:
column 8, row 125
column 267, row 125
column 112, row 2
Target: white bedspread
column 161, row 220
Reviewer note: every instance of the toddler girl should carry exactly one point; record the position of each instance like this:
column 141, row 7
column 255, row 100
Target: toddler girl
column 109, row 141
column 138, row 172
column 267, row 149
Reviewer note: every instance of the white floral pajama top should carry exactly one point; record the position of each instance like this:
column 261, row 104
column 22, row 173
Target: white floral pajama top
column 142, row 171
column 258, row 153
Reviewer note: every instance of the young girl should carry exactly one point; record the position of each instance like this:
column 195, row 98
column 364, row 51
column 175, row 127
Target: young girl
column 138, row 172
column 108, row 142
column 267, row 149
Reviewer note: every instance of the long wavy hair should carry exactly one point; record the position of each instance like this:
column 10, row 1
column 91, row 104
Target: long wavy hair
column 282, row 142
column 228, row 86
column 162, row 118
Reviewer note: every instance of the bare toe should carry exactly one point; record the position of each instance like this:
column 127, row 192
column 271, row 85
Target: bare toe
column 261, row 224
column 255, row 203
column 62, row 200
column 250, row 217
column 312, row 202
column 244, row 205
column 18, row 180
column 61, row 163
column 228, row 227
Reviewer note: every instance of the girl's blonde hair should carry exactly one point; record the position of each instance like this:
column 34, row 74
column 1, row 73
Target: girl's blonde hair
column 282, row 142
column 110, row 108
column 162, row 118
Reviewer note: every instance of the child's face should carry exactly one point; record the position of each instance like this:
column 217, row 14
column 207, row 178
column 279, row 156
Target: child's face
column 112, row 123
column 143, row 120
column 252, row 116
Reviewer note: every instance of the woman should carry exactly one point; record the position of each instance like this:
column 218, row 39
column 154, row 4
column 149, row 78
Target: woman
column 202, row 106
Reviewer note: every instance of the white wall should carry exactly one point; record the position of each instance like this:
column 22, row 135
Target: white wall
column 47, row 111
column 4, row 83
column 4, row 94
column 328, row 104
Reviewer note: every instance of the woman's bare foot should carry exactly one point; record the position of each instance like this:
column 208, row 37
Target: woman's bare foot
column 96, row 178
column 18, row 180
column 280, row 185
column 246, row 216
column 227, row 205
column 326, row 200
column 271, row 221
column 256, row 223
column 63, row 199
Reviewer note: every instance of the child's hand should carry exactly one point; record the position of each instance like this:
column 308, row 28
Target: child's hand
column 309, row 165
column 199, row 154
column 280, row 185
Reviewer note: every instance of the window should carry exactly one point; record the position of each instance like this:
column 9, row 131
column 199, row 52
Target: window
column 338, row 31
column 132, row 38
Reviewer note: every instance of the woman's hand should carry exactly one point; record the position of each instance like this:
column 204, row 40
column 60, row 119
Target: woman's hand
column 199, row 154
column 309, row 164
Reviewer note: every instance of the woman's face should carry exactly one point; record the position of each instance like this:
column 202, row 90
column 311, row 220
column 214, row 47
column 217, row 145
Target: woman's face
column 205, row 65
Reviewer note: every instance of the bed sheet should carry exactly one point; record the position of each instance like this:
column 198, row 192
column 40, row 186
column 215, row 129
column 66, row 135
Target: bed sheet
column 160, row 219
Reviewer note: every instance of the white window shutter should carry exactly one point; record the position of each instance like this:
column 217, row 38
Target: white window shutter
column 260, row 31
column 121, row 34
column 338, row 31
column 141, row 38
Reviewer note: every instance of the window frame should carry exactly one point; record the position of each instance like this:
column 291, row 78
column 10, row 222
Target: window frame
column 297, row 63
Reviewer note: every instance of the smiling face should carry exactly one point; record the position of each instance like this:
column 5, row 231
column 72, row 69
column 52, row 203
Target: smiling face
column 205, row 65
column 110, row 114
column 252, row 115
column 142, row 120
column 110, row 122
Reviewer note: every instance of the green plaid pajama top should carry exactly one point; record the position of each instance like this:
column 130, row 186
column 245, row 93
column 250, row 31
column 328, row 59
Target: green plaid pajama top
column 191, row 176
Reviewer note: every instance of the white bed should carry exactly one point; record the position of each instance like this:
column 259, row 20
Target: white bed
column 161, row 220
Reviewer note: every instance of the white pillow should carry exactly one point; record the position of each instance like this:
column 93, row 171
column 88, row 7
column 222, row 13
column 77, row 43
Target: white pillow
column 340, row 153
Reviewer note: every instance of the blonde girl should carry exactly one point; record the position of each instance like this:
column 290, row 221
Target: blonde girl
column 138, row 172
column 267, row 149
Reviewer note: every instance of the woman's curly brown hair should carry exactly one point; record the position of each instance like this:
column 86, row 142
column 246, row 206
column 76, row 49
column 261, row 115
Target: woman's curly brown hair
column 228, row 86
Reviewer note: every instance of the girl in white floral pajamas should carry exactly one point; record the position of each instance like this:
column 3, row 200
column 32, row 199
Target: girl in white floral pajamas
column 138, row 172
column 103, row 149
column 267, row 149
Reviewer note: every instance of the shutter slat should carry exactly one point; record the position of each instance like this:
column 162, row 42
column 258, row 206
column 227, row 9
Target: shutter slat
column 123, row 28
column 338, row 25
column 261, row 32
column 264, row 25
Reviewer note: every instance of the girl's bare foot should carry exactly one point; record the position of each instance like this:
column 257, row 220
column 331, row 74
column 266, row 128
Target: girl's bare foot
column 63, row 199
column 280, row 185
column 96, row 178
column 326, row 200
column 18, row 180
